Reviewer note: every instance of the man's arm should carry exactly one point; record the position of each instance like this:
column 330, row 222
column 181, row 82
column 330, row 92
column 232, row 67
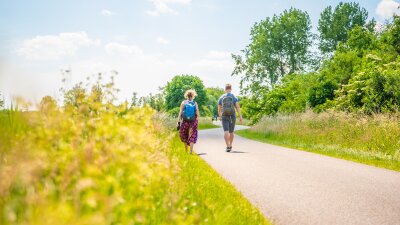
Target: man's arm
column 219, row 110
column 237, row 106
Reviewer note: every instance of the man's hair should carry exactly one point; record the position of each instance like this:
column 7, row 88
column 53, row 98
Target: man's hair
column 190, row 94
column 228, row 86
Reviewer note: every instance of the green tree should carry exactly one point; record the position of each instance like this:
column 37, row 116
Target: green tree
column 360, row 40
column 376, row 89
column 175, row 89
column 334, row 25
column 391, row 36
column 345, row 64
column 279, row 45
column 155, row 101
column 213, row 93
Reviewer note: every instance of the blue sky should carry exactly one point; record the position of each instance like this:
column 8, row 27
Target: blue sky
column 146, row 41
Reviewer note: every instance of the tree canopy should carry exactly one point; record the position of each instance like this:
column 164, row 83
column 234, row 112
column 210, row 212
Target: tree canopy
column 334, row 24
column 360, row 75
column 279, row 45
column 175, row 89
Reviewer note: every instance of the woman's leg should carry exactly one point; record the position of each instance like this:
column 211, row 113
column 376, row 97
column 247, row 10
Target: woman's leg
column 191, row 147
column 192, row 138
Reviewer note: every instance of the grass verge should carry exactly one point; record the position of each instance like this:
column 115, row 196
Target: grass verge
column 109, row 166
column 211, row 197
column 364, row 139
column 206, row 123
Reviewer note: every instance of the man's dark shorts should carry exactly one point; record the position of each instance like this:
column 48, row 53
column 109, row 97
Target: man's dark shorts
column 228, row 123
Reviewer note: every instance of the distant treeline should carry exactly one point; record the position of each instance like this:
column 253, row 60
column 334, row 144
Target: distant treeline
column 351, row 65
column 171, row 95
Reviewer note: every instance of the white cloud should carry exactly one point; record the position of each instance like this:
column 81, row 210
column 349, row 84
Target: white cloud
column 115, row 48
column 163, row 6
column 218, row 55
column 120, row 37
column 162, row 40
column 386, row 8
column 106, row 12
column 215, row 62
column 52, row 47
column 221, row 65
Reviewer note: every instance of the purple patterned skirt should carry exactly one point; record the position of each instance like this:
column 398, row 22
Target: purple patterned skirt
column 188, row 132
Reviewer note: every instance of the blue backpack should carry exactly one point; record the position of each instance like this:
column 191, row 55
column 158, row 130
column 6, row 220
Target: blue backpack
column 189, row 111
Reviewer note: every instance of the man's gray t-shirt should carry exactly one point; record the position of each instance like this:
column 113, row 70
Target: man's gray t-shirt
column 235, row 100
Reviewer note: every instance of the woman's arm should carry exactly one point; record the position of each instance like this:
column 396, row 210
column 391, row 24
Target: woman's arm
column 180, row 112
column 197, row 112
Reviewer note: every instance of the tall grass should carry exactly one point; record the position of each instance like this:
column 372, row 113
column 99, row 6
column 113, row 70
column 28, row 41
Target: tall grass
column 92, row 162
column 373, row 140
column 88, row 170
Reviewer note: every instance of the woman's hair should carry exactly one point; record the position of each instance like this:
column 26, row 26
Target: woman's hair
column 190, row 94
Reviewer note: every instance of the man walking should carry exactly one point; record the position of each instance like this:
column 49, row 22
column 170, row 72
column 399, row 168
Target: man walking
column 226, row 110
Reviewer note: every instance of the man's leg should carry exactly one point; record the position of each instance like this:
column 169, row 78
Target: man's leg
column 227, row 138
column 231, row 131
column 225, row 126
column 231, row 136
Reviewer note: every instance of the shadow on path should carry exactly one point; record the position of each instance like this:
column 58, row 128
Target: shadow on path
column 237, row 152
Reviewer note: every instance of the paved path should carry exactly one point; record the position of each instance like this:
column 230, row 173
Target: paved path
column 297, row 187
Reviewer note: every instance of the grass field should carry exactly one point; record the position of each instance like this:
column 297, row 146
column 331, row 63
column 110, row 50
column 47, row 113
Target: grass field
column 213, row 199
column 94, row 163
column 372, row 140
column 206, row 123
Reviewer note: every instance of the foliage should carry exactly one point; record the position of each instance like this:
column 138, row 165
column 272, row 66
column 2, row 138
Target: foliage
column 175, row 89
column 12, row 124
column 206, row 123
column 154, row 101
column 213, row 93
column 290, row 96
column 77, row 167
column 94, row 162
column 373, row 140
column 279, row 45
column 361, row 76
column 376, row 89
column 334, row 25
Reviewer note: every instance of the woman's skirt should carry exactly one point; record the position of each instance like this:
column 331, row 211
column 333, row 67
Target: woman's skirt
column 188, row 132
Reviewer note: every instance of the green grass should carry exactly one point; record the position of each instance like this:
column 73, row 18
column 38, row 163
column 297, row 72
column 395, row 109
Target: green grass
column 206, row 123
column 117, row 167
column 209, row 196
column 369, row 140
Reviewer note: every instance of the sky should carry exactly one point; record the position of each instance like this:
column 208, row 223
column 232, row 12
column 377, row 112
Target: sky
column 146, row 41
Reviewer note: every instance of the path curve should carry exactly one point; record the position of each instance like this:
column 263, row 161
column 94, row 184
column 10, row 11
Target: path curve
column 297, row 187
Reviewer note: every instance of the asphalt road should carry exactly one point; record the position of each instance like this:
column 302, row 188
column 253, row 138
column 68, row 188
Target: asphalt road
column 297, row 187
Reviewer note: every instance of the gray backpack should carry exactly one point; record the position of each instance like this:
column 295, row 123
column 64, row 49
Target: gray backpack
column 228, row 108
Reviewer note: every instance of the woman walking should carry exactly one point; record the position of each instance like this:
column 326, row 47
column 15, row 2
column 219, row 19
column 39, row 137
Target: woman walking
column 189, row 113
